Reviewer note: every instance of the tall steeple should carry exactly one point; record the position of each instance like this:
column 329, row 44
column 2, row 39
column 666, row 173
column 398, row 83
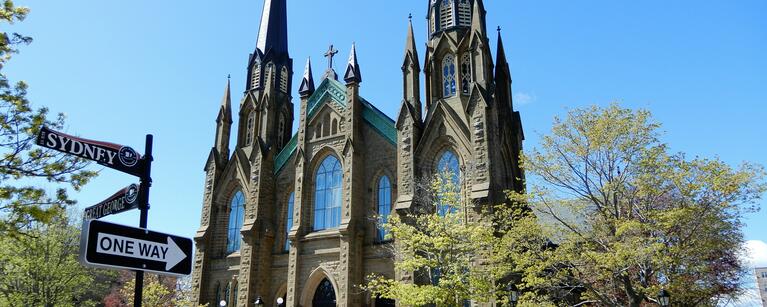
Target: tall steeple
column 273, row 33
column 266, row 113
column 270, row 65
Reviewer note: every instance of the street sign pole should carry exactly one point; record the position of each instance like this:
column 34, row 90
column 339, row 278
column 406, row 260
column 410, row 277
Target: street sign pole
column 146, row 182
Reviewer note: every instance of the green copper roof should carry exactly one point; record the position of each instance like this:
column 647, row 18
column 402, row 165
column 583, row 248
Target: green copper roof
column 285, row 154
column 380, row 122
column 383, row 124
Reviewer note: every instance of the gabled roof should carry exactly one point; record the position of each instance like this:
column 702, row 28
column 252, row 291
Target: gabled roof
column 380, row 122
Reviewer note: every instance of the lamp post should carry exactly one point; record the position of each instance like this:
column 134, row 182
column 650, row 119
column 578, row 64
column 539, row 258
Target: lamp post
column 664, row 298
column 513, row 294
column 222, row 303
column 280, row 302
column 259, row 302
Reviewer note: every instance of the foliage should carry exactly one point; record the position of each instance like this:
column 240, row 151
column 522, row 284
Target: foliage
column 448, row 254
column 619, row 217
column 23, row 166
column 158, row 291
column 41, row 268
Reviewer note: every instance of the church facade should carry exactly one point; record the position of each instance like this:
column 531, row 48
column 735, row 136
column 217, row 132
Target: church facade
column 292, row 218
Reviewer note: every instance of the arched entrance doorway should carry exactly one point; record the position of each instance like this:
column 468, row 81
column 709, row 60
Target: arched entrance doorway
column 325, row 295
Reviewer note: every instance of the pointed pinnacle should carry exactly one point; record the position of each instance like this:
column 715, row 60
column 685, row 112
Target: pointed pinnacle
column 226, row 104
column 353, row 68
column 307, row 83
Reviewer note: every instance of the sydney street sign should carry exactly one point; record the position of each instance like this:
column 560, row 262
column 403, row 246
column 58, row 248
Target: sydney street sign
column 121, row 158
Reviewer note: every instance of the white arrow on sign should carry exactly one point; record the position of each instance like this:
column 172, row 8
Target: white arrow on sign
column 169, row 253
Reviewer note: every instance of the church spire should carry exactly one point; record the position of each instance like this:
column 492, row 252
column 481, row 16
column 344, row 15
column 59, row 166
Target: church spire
column 273, row 33
column 353, row 68
column 224, row 122
column 307, row 84
column 225, row 112
column 410, row 45
column 502, row 75
column 411, row 70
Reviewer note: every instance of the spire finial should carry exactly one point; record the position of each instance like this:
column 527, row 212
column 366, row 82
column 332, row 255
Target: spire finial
column 499, row 29
column 410, row 17
column 229, row 77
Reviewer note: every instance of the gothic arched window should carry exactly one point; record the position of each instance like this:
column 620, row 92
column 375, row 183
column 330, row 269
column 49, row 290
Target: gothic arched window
column 449, row 170
column 446, row 14
column 249, row 128
column 464, row 13
column 448, row 75
column 236, row 214
column 327, row 196
column 289, row 220
column 284, row 80
column 465, row 73
column 384, row 206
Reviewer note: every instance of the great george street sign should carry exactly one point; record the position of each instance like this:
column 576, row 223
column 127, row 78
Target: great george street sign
column 114, row 246
column 121, row 158
column 124, row 200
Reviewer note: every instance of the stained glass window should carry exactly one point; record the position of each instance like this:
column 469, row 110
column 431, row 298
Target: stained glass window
column 448, row 166
column 236, row 214
column 327, row 196
column 448, row 75
column 384, row 206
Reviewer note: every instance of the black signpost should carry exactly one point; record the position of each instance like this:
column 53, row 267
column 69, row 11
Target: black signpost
column 118, row 157
column 116, row 246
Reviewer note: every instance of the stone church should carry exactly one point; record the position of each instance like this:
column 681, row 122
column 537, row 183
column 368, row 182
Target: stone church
column 292, row 217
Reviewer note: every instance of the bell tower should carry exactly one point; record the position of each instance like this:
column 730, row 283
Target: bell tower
column 266, row 112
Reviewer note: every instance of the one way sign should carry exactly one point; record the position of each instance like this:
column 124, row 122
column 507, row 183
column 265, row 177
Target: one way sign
column 108, row 245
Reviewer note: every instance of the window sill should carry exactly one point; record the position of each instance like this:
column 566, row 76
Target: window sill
column 322, row 234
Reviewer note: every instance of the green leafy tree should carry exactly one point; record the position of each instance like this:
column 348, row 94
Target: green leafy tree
column 446, row 248
column 160, row 291
column 25, row 169
column 616, row 217
column 41, row 268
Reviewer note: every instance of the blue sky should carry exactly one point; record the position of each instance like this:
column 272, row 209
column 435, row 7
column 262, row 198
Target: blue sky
column 121, row 69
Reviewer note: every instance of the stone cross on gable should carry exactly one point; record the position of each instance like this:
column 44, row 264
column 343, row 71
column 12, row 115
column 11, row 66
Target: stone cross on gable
column 330, row 54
